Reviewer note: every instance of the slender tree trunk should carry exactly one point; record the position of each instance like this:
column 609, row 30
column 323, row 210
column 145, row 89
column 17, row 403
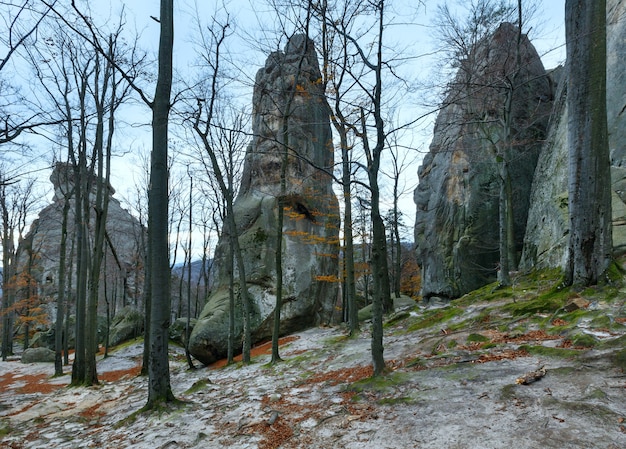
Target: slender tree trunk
column 188, row 323
column 66, row 340
column 348, row 257
column 230, row 357
column 8, row 253
column 505, row 278
column 340, row 124
column 101, row 207
column 58, row 330
column 590, row 244
column 147, row 302
column 397, row 268
column 381, row 282
column 159, row 387
column 109, row 305
column 78, row 367
column 382, row 301
column 280, row 219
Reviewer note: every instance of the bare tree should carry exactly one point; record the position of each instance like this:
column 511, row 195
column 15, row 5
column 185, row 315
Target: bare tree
column 16, row 200
column 221, row 142
column 21, row 21
column 373, row 64
column 400, row 161
column 62, row 280
column 160, row 390
column 335, row 46
column 85, row 91
column 159, row 385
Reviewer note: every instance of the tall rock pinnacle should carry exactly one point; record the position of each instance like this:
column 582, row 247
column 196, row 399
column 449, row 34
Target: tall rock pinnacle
column 289, row 111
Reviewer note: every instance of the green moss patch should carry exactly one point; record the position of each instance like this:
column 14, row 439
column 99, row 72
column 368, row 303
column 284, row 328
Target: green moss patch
column 198, row 386
column 394, row 319
column 549, row 302
column 477, row 338
column 396, row 400
column 551, row 352
column 584, row 340
column 5, row 427
column 434, row 317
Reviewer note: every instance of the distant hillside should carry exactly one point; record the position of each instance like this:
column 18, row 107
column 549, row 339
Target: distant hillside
column 196, row 271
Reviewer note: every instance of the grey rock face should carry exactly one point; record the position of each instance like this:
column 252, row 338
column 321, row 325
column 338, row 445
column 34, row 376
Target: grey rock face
column 456, row 229
column 38, row 355
column 127, row 324
column 124, row 267
column 287, row 88
column 546, row 241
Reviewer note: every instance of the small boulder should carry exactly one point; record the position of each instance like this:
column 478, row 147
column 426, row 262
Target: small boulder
column 127, row 324
column 38, row 355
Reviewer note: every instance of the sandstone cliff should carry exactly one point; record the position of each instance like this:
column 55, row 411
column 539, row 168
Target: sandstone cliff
column 123, row 270
column 310, row 231
column 548, row 226
column 456, row 230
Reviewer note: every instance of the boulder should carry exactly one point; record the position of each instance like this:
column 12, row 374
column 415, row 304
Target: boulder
column 290, row 78
column 38, row 355
column 177, row 331
column 457, row 219
column 127, row 324
column 43, row 339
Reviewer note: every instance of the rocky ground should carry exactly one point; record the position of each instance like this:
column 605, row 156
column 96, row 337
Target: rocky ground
column 455, row 380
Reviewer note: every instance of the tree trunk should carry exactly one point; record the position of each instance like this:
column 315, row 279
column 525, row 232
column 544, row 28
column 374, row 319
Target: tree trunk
column 590, row 243
column 159, row 387
column 188, row 323
column 348, row 256
column 382, row 301
column 70, row 269
column 58, row 330
column 8, row 253
column 230, row 356
column 504, row 277
column 78, row 367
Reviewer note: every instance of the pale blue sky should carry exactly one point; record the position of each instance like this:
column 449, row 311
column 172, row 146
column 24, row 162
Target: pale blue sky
column 252, row 26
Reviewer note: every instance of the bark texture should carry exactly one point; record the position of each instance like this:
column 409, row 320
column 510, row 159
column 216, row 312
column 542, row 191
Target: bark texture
column 590, row 244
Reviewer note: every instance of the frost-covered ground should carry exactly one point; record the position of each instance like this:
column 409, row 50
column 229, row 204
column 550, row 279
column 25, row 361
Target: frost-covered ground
column 320, row 397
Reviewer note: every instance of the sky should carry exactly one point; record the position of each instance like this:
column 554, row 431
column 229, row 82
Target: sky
column 253, row 38
column 249, row 21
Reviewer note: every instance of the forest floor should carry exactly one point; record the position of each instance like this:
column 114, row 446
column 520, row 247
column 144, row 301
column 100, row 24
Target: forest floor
column 455, row 380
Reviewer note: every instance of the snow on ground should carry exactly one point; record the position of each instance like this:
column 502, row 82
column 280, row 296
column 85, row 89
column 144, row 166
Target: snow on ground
column 320, row 397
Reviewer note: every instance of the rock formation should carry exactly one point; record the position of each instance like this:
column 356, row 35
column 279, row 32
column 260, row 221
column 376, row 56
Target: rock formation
column 310, row 232
column 548, row 223
column 456, row 229
column 38, row 355
column 124, row 267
